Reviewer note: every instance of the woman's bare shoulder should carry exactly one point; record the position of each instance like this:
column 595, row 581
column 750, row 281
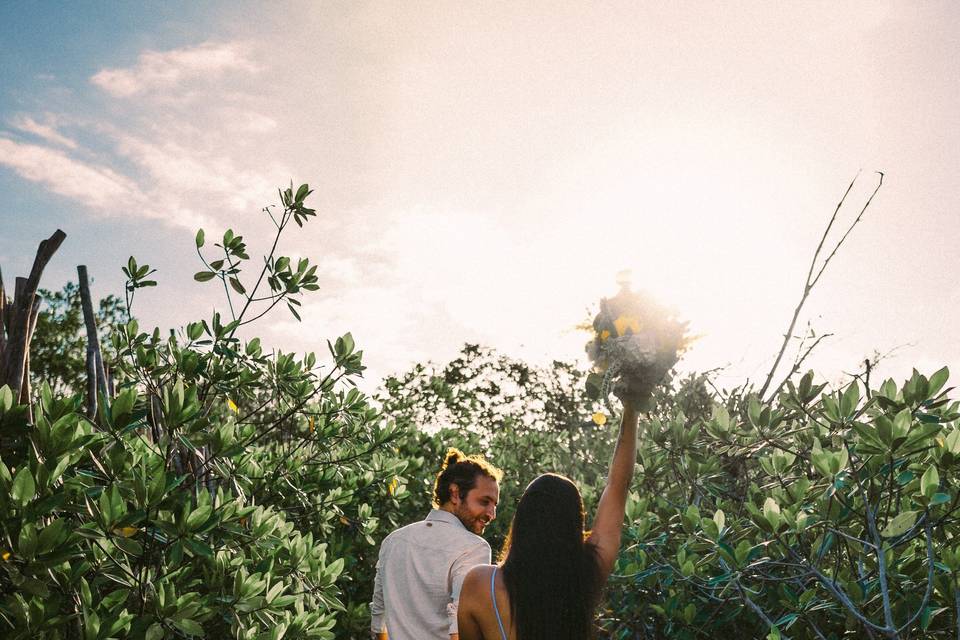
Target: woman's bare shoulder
column 477, row 580
column 478, row 574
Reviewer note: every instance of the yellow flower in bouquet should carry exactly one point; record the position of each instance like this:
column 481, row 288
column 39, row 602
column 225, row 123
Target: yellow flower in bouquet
column 623, row 323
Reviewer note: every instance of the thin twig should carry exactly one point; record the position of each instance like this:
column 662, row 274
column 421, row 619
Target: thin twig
column 812, row 279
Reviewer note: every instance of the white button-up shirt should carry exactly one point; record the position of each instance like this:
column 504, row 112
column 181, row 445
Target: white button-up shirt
column 419, row 574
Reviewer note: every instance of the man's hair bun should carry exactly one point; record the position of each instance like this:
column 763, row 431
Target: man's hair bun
column 453, row 456
column 462, row 470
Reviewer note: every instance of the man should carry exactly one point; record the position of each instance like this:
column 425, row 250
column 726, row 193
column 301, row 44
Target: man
column 422, row 565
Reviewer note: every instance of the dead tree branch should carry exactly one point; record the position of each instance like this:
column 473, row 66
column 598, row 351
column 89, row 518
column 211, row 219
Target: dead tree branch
column 19, row 314
column 812, row 278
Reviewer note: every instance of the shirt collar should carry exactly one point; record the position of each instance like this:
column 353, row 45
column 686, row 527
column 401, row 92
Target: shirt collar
column 444, row 516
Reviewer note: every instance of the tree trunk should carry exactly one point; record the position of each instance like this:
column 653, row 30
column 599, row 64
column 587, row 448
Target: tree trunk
column 25, row 389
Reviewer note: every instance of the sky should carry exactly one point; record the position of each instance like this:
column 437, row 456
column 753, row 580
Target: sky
column 483, row 170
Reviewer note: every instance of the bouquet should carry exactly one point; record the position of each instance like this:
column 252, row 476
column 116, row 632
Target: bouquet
column 636, row 341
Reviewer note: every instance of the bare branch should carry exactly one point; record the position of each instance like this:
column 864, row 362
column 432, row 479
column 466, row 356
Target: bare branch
column 811, row 279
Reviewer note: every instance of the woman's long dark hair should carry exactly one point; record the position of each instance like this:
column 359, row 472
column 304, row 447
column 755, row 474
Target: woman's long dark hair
column 551, row 573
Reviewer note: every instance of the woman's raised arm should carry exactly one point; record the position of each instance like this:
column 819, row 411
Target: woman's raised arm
column 608, row 523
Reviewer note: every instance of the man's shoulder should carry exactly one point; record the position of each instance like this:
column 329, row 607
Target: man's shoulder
column 402, row 532
column 416, row 531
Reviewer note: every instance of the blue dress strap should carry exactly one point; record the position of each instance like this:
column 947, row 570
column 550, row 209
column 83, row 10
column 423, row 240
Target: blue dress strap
column 496, row 610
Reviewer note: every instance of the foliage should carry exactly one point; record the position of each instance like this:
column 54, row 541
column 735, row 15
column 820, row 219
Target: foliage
column 749, row 517
column 58, row 348
column 817, row 515
column 223, row 492
column 231, row 491
column 527, row 420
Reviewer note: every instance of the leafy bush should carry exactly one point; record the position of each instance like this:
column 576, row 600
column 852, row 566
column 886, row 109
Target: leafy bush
column 817, row 515
column 228, row 491
column 762, row 518
column 223, row 492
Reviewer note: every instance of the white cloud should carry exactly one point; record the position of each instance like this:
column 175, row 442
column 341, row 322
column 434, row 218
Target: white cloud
column 177, row 139
column 185, row 172
column 163, row 69
column 93, row 185
column 46, row 131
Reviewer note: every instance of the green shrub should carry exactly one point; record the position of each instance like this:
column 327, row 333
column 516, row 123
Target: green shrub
column 816, row 515
column 223, row 492
column 765, row 519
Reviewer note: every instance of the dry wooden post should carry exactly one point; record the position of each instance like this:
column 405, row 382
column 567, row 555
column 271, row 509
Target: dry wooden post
column 96, row 376
column 25, row 389
column 19, row 318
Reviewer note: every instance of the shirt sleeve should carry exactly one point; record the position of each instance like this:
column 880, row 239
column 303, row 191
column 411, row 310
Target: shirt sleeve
column 376, row 605
column 476, row 554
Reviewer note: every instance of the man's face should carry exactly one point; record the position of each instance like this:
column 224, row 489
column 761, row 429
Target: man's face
column 479, row 507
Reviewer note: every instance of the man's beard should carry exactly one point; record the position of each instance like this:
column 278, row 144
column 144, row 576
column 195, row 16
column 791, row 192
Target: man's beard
column 472, row 524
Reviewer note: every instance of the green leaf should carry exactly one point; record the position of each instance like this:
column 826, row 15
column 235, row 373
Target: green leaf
column 850, row 399
column 868, row 435
column 884, row 429
column 902, row 422
column 199, row 516
column 154, row 632
column 235, row 283
column 6, row 399
column 335, row 568
column 123, row 403
column 937, row 381
column 899, row 525
column 930, row 482
column 27, row 543
column 91, row 623
column 204, row 276
column 348, row 344
column 771, row 511
column 51, row 535
column 189, row 627
column 23, row 488
column 302, row 193
column 753, row 410
column 200, row 238
column 939, row 498
column 194, row 330
column 199, row 548
column 129, row 546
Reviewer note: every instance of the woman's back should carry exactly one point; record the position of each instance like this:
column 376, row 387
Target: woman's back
column 489, row 599
column 550, row 578
column 478, row 618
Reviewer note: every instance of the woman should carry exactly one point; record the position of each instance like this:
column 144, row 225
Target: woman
column 551, row 573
